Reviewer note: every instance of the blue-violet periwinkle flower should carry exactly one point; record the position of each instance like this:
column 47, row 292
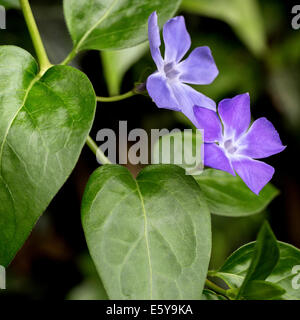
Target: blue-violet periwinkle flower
column 234, row 148
column 167, row 86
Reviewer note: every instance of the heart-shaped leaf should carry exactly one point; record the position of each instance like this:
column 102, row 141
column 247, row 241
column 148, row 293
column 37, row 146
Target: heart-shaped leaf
column 227, row 195
column 150, row 238
column 113, row 24
column 44, row 124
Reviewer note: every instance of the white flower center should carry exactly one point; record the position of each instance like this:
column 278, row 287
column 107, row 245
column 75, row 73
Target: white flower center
column 229, row 146
column 170, row 71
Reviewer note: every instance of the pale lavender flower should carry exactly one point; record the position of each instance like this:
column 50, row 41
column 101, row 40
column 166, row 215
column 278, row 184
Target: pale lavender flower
column 167, row 86
column 234, row 148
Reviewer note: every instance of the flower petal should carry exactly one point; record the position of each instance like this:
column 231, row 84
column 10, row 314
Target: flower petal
column 215, row 157
column 209, row 121
column 199, row 67
column 235, row 115
column 161, row 93
column 255, row 174
column 154, row 40
column 261, row 141
column 188, row 97
column 177, row 39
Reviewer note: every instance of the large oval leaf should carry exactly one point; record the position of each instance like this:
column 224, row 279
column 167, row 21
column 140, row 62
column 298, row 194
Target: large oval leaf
column 235, row 268
column 113, row 24
column 227, row 195
column 150, row 238
column 43, row 126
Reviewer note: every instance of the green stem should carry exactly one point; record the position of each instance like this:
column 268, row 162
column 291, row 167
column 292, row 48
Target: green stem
column 70, row 57
column 117, row 98
column 215, row 288
column 97, row 151
column 35, row 36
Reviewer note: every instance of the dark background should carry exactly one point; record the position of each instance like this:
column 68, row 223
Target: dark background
column 54, row 262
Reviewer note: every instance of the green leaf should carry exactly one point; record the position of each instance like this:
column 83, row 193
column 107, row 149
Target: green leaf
column 243, row 16
column 262, row 290
column 117, row 63
column 181, row 148
column 43, row 126
column 210, row 295
column 227, row 195
column 264, row 259
column 149, row 238
column 10, row 4
column 284, row 274
column 113, row 24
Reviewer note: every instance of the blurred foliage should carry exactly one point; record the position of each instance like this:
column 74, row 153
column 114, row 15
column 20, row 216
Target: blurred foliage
column 10, row 3
column 116, row 63
column 243, row 16
column 91, row 288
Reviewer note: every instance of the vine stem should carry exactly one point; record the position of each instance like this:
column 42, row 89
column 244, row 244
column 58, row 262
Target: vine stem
column 70, row 57
column 215, row 288
column 45, row 64
column 97, row 151
column 117, row 98
column 35, row 37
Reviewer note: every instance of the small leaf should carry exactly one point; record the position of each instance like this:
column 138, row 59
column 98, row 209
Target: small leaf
column 44, row 124
column 210, row 295
column 262, row 290
column 234, row 270
column 117, row 63
column 243, row 16
column 149, row 238
column 227, row 195
column 264, row 259
column 113, row 24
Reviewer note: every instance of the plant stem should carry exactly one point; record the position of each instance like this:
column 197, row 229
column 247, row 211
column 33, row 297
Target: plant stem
column 97, row 151
column 70, row 57
column 117, row 98
column 215, row 288
column 35, row 36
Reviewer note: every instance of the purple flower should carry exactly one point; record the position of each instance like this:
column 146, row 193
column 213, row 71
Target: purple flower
column 167, row 85
column 234, row 148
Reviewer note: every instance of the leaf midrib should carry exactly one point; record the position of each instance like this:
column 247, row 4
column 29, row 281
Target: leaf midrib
column 146, row 238
column 93, row 27
column 33, row 81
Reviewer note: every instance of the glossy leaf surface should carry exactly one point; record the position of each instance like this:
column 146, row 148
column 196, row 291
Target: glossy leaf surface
column 113, row 24
column 227, row 195
column 44, row 124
